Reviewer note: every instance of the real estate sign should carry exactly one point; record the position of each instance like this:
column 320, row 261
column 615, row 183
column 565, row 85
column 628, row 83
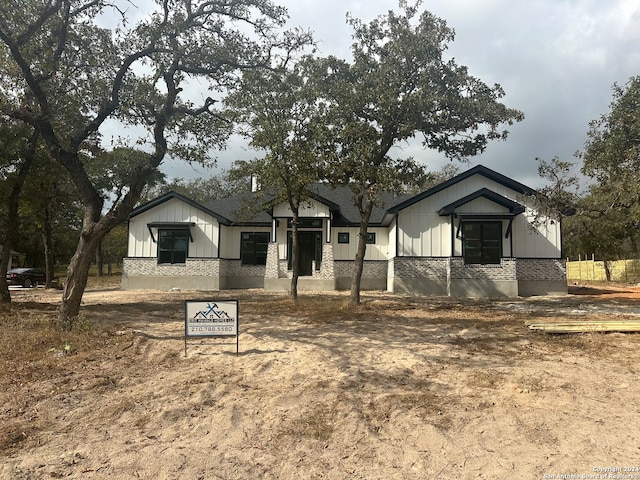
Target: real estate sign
column 211, row 318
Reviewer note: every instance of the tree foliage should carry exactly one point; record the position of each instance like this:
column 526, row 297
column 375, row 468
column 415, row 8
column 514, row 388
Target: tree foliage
column 607, row 212
column 200, row 190
column 285, row 117
column 399, row 86
column 18, row 149
column 67, row 76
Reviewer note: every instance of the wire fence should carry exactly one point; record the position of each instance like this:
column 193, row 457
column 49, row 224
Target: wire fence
column 589, row 269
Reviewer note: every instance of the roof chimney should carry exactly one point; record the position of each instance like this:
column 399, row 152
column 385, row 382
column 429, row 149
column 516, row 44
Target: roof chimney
column 255, row 185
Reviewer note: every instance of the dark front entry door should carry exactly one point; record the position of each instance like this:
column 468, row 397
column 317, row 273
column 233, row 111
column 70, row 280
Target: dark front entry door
column 310, row 250
column 307, row 253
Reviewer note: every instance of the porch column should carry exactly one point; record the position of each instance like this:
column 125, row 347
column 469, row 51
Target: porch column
column 327, row 267
column 271, row 268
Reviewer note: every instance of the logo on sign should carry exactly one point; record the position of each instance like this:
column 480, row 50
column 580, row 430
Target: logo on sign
column 212, row 318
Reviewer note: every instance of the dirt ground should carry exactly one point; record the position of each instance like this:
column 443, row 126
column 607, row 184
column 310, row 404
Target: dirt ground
column 401, row 388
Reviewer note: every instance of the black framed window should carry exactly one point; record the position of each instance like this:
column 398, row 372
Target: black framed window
column 253, row 248
column 173, row 245
column 343, row 237
column 306, row 223
column 482, row 242
column 371, row 238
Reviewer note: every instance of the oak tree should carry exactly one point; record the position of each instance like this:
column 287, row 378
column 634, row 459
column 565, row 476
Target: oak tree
column 284, row 117
column 74, row 69
column 398, row 86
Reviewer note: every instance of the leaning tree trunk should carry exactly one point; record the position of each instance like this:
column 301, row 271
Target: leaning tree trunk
column 76, row 281
column 358, row 265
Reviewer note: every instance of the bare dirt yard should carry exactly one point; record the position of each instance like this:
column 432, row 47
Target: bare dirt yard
column 400, row 388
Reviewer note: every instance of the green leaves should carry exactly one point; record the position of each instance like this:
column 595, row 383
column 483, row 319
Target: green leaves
column 70, row 67
column 283, row 115
column 399, row 85
column 612, row 150
column 607, row 222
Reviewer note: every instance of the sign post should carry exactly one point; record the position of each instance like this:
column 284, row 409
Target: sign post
column 211, row 318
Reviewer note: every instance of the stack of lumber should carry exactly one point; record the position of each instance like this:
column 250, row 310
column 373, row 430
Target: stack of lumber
column 587, row 326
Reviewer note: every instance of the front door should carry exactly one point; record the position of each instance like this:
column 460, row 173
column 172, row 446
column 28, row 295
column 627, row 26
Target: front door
column 310, row 250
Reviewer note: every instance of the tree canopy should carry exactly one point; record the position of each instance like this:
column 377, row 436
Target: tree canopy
column 285, row 118
column 398, row 86
column 607, row 209
column 67, row 75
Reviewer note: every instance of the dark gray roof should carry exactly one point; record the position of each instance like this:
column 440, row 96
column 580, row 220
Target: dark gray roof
column 256, row 208
column 348, row 214
column 244, row 208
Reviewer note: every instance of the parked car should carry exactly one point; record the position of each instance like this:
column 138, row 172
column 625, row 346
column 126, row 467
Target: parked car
column 26, row 277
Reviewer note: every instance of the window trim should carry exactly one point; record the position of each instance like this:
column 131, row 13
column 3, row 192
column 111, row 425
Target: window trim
column 162, row 252
column 483, row 258
column 371, row 238
column 170, row 226
column 343, row 237
column 255, row 244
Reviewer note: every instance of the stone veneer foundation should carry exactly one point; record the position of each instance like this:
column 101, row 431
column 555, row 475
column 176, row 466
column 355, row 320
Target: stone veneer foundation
column 411, row 275
column 450, row 276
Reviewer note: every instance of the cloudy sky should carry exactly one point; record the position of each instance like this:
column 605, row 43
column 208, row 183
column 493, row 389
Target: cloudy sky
column 556, row 60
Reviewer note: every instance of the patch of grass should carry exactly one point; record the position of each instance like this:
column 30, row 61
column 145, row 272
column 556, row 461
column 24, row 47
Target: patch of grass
column 316, row 423
column 106, row 281
column 31, row 347
column 485, row 379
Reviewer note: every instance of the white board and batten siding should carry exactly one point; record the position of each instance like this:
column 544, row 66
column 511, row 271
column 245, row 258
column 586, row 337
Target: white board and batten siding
column 424, row 233
column 204, row 232
column 347, row 251
column 541, row 241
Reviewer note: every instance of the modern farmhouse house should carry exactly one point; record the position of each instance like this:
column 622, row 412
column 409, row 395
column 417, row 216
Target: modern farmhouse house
column 473, row 235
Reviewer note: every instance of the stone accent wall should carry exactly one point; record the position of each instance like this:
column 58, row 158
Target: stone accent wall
column 140, row 267
column 234, row 268
column 534, row 276
column 327, row 270
column 419, row 267
column 371, row 268
column 506, row 270
column 283, row 271
column 545, row 269
column 455, row 268
column 272, row 269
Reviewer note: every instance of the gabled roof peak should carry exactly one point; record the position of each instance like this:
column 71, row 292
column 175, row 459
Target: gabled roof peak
column 514, row 207
column 175, row 195
column 477, row 170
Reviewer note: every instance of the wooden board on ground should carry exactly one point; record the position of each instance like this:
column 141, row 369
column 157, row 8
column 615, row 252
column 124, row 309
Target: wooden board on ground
column 587, row 326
